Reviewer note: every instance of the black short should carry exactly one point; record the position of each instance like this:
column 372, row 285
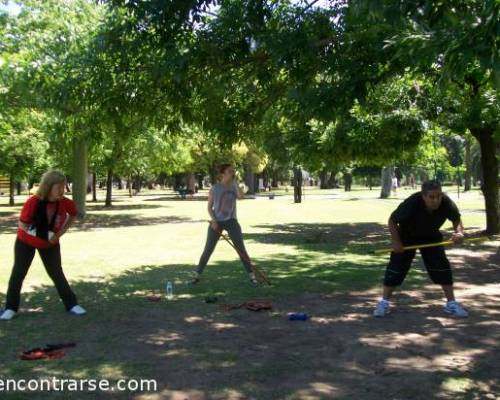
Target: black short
column 435, row 261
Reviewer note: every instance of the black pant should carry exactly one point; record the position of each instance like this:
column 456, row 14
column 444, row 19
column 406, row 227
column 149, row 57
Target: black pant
column 51, row 257
column 435, row 261
column 233, row 228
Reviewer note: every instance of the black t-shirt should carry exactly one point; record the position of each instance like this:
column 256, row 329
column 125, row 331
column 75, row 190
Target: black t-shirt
column 419, row 225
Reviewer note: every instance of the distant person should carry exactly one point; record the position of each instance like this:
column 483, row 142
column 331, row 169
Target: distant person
column 412, row 181
column 417, row 220
column 347, row 181
column 394, row 185
column 45, row 217
column 222, row 210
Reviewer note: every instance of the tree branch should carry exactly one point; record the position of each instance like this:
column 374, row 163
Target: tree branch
column 310, row 5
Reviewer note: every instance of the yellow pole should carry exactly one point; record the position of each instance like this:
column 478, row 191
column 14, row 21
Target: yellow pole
column 423, row 246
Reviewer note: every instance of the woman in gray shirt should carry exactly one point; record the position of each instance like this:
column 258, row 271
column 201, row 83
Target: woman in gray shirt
column 222, row 209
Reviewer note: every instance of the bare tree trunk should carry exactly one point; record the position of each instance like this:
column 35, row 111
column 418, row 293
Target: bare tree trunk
column 274, row 180
column 79, row 175
column 137, row 184
column 490, row 186
column 297, row 185
column 12, row 187
column 190, row 182
column 323, row 182
column 249, row 179
column 332, row 181
column 468, row 165
column 386, row 182
column 109, row 188
column 94, row 187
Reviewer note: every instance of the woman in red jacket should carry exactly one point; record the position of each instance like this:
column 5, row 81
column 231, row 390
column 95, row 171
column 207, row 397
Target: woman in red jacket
column 44, row 218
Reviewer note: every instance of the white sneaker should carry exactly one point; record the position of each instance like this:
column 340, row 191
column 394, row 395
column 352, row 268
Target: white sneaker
column 382, row 309
column 78, row 310
column 456, row 309
column 7, row 315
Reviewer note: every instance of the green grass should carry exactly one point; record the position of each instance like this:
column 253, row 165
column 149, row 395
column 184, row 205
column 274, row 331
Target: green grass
column 295, row 243
column 118, row 255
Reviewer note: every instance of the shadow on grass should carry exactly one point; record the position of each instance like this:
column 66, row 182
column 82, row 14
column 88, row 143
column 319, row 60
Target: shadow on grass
column 7, row 214
column 122, row 207
column 103, row 221
column 8, row 222
column 8, row 205
column 174, row 197
column 358, row 238
column 199, row 351
column 474, row 211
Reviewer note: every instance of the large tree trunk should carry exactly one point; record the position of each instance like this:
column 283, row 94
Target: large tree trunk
column 12, row 187
column 249, row 179
column 94, row 187
column 190, row 182
column 274, row 180
column 265, row 179
column 468, row 165
column 79, row 175
column 297, row 185
column 386, row 182
column 332, row 181
column 18, row 188
column 109, row 188
column 489, row 163
column 137, row 184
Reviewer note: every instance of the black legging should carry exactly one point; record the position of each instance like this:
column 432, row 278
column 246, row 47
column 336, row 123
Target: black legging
column 51, row 257
column 233, row 228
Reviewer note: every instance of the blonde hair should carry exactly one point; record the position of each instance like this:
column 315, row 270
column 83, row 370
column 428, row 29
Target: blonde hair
column 49, row 179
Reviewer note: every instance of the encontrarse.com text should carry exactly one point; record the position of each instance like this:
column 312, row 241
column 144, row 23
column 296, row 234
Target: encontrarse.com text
column 77, row 385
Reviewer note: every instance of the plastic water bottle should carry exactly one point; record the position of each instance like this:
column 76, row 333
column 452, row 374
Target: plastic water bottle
column 298, row 317
column 170, row 291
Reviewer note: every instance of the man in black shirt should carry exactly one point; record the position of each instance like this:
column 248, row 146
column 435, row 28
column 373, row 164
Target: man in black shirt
column 416, row 221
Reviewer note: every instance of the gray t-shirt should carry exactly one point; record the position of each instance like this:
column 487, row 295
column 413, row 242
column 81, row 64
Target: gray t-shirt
column 224, row 201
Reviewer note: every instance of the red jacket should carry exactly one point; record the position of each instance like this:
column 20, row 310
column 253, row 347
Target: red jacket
column 66, row 208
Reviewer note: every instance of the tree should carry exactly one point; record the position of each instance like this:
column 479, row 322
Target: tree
column 457, row 42
column 22, row 147
column 49, row 69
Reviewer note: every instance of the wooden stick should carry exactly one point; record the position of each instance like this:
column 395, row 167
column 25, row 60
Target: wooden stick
column 258, row 273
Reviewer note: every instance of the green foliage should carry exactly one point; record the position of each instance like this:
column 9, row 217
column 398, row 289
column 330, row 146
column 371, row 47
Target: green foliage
column 22, row 147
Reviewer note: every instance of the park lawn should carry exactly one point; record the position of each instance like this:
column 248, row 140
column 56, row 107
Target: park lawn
column 117, row 256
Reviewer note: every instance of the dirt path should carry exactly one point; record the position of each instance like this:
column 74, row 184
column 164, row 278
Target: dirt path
column 417, row 352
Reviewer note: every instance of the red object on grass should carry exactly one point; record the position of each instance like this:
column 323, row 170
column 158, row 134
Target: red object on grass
column 42, row 354
column 50, row 352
